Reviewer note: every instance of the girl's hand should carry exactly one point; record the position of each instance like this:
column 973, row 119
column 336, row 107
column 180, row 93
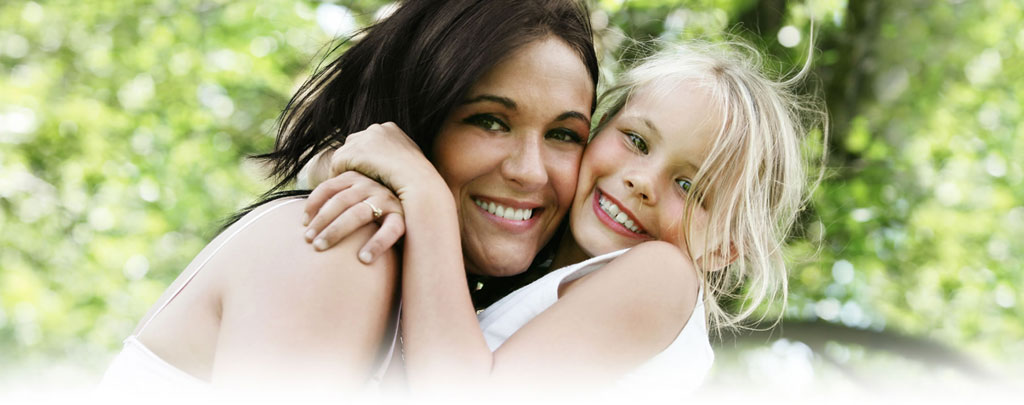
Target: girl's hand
column 336, row 208
column 384, row 152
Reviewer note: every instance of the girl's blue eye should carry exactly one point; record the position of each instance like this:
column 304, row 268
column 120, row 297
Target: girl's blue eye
column 487, row 122
column 639, row 143
column 684, row 184
column 565, row 135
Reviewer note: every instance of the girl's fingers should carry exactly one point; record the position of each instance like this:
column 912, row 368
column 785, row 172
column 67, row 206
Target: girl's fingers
column 390, row 231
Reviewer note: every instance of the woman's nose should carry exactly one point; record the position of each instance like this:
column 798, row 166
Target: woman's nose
column 524, row 165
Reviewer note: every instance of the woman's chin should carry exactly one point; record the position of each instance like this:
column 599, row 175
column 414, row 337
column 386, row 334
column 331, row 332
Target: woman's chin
column 501, row 272
column 501, row 265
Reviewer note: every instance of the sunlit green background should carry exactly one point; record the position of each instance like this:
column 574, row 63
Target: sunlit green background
column 124, row 127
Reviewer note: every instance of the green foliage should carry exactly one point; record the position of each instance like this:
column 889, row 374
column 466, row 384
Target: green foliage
column 124, row 127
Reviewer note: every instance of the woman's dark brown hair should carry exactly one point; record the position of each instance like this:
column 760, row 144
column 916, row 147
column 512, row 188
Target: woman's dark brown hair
column 413, row 67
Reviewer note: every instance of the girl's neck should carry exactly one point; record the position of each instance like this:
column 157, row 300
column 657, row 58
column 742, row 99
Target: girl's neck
column 569, row 252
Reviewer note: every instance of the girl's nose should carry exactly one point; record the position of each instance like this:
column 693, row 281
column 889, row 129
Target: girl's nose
column 641, row 185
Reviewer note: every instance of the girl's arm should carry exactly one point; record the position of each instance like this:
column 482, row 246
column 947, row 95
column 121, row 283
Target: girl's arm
column 603, row 324
column 606, row 323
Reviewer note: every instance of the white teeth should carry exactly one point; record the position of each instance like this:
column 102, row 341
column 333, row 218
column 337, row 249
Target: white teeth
column 616, row 214
column 505, row 212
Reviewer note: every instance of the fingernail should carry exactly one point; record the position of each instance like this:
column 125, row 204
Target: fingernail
column 305, row 219
column 365, row 256
column 310, row 234
column 320, row 244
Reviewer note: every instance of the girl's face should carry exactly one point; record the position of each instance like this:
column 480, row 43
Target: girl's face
column 511, row 152
column 637, row 172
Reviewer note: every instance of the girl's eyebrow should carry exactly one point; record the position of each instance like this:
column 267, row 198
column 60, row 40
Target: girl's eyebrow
column 648, row 124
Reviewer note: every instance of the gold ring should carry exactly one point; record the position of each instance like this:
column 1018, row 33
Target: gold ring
column 376, row 211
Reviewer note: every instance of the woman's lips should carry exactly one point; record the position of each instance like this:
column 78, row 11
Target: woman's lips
column 512, row 215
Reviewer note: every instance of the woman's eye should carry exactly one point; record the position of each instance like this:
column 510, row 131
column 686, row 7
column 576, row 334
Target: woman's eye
column 487, row 122
column 684, row 184
column 639, row 143
column 565, row 135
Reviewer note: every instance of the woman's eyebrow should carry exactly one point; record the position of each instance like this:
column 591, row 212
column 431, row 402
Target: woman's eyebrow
column 505, row 101
column 573, row 114
column 508, row 103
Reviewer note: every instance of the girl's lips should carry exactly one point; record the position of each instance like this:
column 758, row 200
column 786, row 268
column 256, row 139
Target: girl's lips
column 611, row 223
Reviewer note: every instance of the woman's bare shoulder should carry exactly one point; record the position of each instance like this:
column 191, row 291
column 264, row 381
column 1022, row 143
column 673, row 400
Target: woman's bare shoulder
column 266, row 252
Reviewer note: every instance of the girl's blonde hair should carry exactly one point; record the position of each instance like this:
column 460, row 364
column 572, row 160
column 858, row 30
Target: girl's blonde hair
column 753, row 180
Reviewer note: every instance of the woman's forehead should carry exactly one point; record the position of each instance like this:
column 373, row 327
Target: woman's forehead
column 546, row 74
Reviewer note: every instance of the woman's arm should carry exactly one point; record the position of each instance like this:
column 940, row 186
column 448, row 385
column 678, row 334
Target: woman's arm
column 316, row 171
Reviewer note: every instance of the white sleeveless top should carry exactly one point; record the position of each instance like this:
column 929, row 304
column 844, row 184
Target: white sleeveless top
column 136, row 369
column 676, row 371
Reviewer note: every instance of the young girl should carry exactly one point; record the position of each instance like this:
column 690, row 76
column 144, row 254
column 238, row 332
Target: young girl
column 686, row 191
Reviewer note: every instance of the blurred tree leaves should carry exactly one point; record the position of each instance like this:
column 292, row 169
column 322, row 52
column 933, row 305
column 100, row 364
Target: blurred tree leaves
column 124, row 126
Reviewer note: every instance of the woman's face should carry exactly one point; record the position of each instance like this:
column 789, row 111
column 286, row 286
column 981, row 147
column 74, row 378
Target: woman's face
column 510, row 151
column 637, row 172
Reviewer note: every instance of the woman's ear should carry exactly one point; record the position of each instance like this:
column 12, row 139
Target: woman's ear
column 719, row 259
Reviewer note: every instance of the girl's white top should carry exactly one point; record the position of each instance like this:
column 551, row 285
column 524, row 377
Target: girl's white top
column 676, row 371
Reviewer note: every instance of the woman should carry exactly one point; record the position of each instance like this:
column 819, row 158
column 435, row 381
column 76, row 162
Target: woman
column 266, row 307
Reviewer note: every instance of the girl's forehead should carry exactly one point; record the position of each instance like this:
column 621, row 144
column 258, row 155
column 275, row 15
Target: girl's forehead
column 681, row 120
column 673, row 106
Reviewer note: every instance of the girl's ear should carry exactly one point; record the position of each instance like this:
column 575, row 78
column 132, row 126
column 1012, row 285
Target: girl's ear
column 719, row 259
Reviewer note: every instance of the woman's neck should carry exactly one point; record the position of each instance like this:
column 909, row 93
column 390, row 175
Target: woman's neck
column 569, row 252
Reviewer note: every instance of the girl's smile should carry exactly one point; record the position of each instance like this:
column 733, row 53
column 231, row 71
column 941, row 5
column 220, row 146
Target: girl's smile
column 637, row 172
column 617, row 218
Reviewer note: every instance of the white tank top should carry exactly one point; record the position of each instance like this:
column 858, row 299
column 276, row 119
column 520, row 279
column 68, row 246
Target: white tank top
column 136, row 369
column 676, row 371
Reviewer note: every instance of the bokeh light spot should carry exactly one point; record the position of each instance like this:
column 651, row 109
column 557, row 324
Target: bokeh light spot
column 335, row 20
column 789, row 36
column 842, row 271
